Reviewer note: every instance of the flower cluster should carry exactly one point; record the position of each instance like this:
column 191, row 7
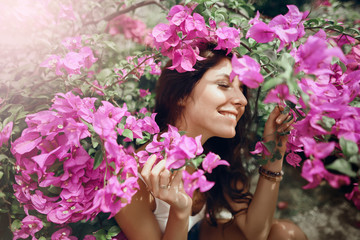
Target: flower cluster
column 64, row 178
column 327, row 119
column 181, row 38
column 287, row 28
column 180, row 151
column 247, row 70
column 79, row 57
column 72, row 160
column 131, row 28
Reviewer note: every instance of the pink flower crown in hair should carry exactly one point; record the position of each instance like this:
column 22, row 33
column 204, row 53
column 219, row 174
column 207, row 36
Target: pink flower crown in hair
column 181, row 37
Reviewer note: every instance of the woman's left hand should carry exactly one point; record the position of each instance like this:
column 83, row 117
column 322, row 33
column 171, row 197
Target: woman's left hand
column 277, row 127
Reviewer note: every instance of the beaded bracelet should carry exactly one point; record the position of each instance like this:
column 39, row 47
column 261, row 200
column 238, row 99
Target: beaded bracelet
column 271, row 176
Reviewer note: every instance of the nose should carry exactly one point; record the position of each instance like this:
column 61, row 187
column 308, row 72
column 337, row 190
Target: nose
column 238, row 99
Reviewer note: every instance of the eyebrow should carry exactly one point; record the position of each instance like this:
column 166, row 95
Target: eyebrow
column 223, row 75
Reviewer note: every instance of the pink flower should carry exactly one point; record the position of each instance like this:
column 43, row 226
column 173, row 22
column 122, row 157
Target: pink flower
column 63, row 234
column 184, row 60
column 195, row 181
column 336, row 180
column 211, row 161
column 287, row 28
column 88, row 57
column 260, row 148
column 182, row 149
column 5, row 133
column 247, row 70
column 72, row 43
column 228, row 38
column 313, row 172
column 261, row 32
column 354, row 196
column 54, row 61
column 29, row 226
column 144, row 93
column 314, row 56
column 293, row 159
column 318, row 150
column 72, row 62
column 279, row 95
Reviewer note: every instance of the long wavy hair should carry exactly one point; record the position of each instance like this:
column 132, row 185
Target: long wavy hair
column 173, row 87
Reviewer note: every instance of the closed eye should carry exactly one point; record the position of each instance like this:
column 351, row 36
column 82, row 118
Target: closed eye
column 223, row 84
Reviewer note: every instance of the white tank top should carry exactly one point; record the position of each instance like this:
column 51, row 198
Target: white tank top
column 162, row 210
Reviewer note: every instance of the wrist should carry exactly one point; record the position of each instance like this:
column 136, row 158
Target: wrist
column 180, row 213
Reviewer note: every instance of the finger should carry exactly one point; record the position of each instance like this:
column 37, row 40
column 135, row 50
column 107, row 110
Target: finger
column 283, row 117
column 177, row 182
column 145, row 172
column 155, row 176
column 275, row 113
column 164, row 179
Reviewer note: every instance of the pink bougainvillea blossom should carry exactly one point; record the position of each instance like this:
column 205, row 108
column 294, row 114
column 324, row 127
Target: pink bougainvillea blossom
column 247, row 70
column 185, row 32
column 293, row 159
column 5, row 133
column 131, row 28
column 261, row 32
column 211, row 161
column 354, row 196
column 313, row 171
column 317, row 150
column 314, row 56
column 194, row 181
column 260, row 148
column 29, row 226
column 287, row 28
column 63, row 234
column 279, row 95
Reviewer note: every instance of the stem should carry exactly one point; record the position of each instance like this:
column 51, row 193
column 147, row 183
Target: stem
column 129, row 9
column 152, row 56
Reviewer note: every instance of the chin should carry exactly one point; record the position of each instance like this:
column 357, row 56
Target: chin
column 227, row 134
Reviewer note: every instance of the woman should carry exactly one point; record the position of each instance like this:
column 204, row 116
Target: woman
column 206, row 102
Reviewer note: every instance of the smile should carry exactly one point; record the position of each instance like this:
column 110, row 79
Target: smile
column 229, row 115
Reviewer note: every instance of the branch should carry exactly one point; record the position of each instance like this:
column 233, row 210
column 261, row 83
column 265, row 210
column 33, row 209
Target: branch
column 129, row 9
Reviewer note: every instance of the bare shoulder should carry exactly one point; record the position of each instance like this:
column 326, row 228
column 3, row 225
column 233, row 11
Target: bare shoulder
column 139, row 212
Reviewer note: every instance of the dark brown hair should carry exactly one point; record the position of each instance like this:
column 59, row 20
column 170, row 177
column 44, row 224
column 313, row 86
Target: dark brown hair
column 172, row 87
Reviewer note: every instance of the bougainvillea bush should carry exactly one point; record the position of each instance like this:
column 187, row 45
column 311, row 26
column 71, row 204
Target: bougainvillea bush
column 77, row 97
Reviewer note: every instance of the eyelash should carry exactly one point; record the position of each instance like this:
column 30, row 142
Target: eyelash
column 223, row 85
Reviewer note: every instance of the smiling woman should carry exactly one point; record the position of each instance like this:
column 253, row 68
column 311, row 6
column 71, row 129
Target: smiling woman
column 206, row 102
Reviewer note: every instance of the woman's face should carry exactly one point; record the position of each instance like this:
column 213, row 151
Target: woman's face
column 215, row 105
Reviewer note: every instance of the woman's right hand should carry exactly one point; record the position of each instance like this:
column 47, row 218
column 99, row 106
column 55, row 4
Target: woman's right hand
column 165, row 185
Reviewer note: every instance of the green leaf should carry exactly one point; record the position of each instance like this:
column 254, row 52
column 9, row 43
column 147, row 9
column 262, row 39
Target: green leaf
column 270, row 146
column 348, row 147
column 271, row 83
column 342, row 166
column 16, row 224
column 327, row 123
column 99, row 156
column 128, row 133
column 113, row 231
column 198, row 160
column 100, row 235
column 1, row 175
column 343, row 66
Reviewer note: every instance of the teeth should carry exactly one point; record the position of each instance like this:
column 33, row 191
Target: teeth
column 232, row 116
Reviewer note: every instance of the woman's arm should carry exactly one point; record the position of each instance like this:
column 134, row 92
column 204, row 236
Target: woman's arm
column 137, row 219
column 258, row 220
